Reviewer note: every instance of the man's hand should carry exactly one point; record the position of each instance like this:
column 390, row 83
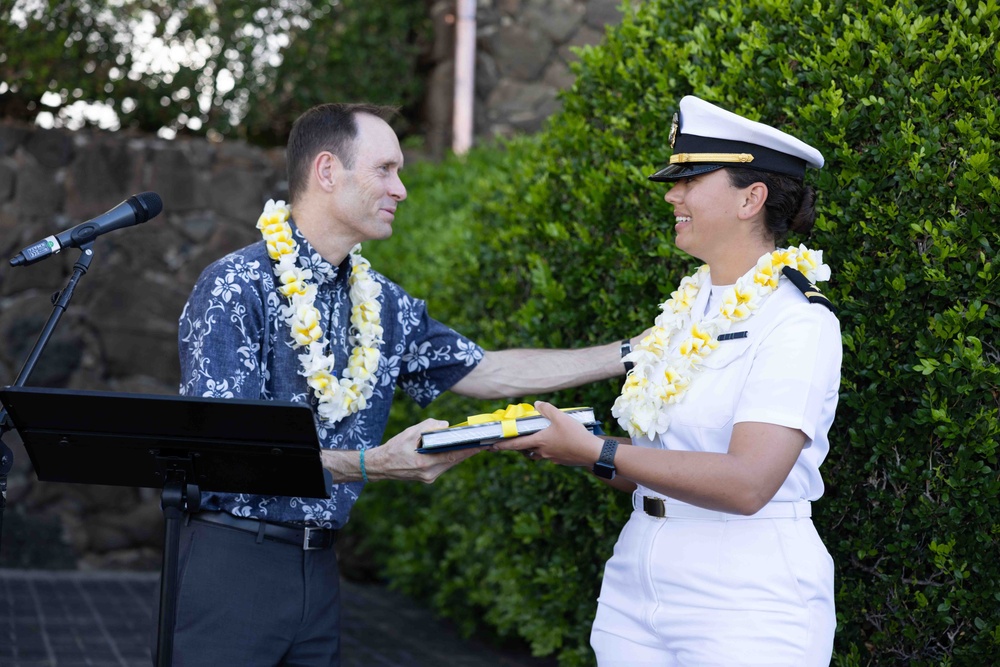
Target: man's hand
column 398, row 458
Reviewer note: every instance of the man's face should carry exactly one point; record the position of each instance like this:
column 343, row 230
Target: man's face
column 366, row 196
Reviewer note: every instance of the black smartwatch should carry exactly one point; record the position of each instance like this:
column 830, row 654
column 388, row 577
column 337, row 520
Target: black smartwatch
column 627, row 349
column 605, row 466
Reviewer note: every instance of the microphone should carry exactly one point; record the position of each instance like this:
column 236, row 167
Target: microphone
column 134, row 210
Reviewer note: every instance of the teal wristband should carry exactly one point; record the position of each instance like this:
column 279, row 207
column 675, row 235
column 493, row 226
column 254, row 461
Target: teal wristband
column 364, row 473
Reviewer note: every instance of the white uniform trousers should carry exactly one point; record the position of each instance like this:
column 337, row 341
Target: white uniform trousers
column 727, row 591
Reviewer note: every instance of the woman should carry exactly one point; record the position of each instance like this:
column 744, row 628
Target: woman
column 728, row 405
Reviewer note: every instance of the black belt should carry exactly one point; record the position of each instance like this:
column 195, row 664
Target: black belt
column 308, row 537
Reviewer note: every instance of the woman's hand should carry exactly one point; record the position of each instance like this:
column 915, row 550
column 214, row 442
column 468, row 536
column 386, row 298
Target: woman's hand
column 566, row 442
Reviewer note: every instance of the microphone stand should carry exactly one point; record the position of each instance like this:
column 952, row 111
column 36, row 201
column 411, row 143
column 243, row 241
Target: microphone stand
column 60, row 301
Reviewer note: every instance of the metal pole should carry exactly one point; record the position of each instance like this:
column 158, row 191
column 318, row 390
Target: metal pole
column 465, row 74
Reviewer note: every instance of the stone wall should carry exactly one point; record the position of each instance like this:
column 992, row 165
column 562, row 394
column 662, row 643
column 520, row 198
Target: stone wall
column 120, row 331
column 523, row 54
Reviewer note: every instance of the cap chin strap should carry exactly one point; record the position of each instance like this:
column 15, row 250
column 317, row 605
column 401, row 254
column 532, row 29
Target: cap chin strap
column 684, row 158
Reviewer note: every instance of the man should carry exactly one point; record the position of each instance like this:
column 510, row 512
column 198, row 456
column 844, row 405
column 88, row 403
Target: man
column 302, row 317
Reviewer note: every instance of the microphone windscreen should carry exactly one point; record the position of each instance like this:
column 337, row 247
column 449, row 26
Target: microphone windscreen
column 150, row 203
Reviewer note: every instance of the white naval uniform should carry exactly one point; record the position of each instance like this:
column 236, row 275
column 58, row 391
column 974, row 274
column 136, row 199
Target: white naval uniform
column 713, row 589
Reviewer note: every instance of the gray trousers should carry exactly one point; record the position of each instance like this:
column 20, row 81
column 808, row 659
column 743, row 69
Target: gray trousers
column 249, row 603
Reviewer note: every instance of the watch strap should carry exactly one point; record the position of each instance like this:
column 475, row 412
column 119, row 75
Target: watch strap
column 608, row 452
column 604, row 467
column 626, row 350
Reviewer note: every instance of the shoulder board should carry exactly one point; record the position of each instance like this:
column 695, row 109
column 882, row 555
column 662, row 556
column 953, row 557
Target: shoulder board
column 807, row 288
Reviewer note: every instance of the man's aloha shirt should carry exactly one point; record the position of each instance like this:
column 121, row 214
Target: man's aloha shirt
column 233, row 344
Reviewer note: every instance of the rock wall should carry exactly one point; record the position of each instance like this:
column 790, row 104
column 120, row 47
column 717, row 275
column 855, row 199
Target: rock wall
column 120, row 331
column 523, row 53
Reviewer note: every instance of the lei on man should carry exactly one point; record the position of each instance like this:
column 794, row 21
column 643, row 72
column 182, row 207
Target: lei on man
column 337, row 397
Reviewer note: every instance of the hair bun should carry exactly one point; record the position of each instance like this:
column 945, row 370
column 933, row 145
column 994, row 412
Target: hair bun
column 805, row 218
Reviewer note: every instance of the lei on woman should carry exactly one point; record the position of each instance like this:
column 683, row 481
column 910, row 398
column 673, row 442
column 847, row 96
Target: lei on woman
column 661, row 378
column 337, row 397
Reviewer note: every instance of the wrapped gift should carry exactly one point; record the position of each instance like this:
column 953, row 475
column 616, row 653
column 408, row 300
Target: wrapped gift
column 485, row 429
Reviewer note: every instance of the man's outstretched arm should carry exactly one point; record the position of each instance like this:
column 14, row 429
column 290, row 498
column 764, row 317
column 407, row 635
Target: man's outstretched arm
column 513, row 373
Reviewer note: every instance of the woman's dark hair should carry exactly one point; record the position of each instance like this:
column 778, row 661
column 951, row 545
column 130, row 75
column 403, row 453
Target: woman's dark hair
column 790, row 205
column 327, row 127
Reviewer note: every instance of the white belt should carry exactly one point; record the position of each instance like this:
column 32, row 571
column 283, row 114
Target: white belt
column 664, row 508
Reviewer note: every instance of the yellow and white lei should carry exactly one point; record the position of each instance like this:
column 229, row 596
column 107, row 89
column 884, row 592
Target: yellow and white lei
column 337, row 397
column 660, row 378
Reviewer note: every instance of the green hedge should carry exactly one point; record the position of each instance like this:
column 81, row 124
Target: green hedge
column 432, row 254
column 568, row 244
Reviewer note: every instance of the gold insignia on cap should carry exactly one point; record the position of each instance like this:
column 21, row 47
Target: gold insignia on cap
column 681, row 158
column 673, row 130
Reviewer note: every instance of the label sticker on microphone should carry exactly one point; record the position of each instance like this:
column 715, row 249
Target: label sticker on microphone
column 43, row 248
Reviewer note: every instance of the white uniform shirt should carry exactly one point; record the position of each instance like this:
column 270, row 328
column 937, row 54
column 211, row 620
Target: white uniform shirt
column 786, row 371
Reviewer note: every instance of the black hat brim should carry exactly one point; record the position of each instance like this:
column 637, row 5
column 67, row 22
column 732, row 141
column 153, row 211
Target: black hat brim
column 675, row 172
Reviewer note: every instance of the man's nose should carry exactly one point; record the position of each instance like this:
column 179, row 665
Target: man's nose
column 397, row 190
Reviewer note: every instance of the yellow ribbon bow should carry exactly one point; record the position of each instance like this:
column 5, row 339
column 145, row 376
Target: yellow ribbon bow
column 507, row 417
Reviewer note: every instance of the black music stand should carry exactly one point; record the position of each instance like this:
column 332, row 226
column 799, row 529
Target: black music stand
column 179, row 444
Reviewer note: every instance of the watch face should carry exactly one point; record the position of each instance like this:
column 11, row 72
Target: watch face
column 604, row 470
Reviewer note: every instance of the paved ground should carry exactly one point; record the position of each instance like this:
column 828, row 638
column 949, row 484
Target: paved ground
column 101, row 619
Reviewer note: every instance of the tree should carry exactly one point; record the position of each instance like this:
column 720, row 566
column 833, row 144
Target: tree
column 239, row 68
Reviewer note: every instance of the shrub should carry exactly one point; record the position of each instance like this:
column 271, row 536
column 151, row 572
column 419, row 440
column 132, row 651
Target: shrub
column 901, row 99
column 432, row 253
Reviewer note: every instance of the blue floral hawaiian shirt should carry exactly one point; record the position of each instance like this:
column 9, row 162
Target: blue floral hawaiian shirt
column 233, row 344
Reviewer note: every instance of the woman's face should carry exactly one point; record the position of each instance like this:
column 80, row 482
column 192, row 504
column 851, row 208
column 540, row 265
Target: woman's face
column 705, row 210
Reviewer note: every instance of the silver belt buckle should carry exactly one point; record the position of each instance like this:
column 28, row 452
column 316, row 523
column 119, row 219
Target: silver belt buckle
column 306, row 546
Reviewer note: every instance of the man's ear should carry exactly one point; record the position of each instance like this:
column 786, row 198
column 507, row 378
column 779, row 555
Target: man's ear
column 326, row 170
column 754, row 198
